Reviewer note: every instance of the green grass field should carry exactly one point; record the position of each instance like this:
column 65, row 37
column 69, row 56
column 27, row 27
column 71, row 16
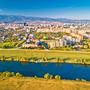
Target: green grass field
column 41, row 53
column 70, row 55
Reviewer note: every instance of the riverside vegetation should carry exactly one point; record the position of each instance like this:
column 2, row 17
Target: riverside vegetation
column 6, row 74
column 16, row 81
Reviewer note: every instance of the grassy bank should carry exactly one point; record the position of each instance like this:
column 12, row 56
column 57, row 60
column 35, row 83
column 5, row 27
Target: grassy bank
column 42, row 84
column 45, row 56
column 16, row 81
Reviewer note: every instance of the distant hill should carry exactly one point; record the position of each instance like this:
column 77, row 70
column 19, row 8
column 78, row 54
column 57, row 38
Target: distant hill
column 17, row 18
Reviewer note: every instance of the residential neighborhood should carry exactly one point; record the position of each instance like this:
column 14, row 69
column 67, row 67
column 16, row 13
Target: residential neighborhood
column 46, row 35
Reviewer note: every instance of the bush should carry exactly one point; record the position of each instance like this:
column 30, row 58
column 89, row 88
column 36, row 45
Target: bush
column 13, row 74
column 83, row 80
column 35, row 77
column 77, row 79
column 47, row 76
column 57, row 77
column 51, row 76
column 8, row 45
column 18, row 75
column 7, row 74
column 80, row 79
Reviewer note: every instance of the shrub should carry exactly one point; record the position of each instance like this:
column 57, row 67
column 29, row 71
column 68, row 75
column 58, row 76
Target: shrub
column 13, row 74
column 80, row 79
column 18, row 75
column 4, row 75
column 83, row 80
column 51, row 76
column 77, row 79
column 7, row 74
column 57, row 77
column 47, row 76
column 35, row 77
column 8, row 45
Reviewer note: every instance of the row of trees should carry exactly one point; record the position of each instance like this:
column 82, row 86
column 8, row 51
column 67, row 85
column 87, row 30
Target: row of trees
column 58, row 77
column 49, row 76
column 10, row 74
column 7, row 45
column 46, row 59
column 11, row 44
column 4, row 75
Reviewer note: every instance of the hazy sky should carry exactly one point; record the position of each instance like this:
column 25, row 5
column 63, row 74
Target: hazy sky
column 76, row 9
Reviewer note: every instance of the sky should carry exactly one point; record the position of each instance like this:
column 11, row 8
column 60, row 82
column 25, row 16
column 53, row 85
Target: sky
column 73, row 9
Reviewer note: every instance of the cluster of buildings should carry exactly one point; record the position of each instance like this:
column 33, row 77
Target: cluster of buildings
column 71, row 34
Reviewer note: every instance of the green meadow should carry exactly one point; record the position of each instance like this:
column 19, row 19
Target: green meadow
column 51, row 55
column 40, row 53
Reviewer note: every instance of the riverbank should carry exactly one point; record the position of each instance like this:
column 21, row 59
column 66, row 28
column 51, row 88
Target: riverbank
column 44, row 56
column 42, row 84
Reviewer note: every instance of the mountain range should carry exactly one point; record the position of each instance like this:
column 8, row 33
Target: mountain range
column 18, row 18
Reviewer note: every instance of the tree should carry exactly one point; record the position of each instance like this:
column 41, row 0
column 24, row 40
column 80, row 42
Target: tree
column 58, row 59
column 47, row 76
column 57, row 77
column 18, row 75
column 3, row 58
column 8, row 74
column 35, row 77
column 51, row 76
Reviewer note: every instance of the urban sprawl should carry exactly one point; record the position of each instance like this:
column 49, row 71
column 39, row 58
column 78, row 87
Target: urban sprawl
column 45, row 35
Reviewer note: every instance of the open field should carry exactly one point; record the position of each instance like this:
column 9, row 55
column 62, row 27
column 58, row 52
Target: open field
column 42, row 84
column 51, row 55
column 41, row 53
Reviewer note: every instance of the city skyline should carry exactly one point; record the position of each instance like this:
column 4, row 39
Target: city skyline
column 72, row 9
